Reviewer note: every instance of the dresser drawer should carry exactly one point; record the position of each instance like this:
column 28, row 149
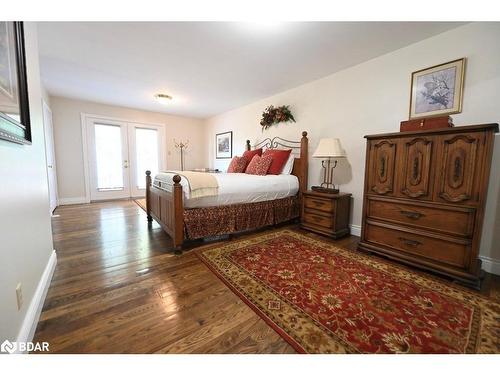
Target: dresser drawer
column 316, row 203
column 458, row 221
column 317, row 219
column 449, row 251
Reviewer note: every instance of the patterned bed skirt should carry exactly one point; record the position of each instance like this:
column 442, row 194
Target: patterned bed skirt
column 221, row 220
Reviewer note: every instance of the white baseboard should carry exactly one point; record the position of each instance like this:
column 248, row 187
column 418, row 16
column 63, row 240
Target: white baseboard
column 74, row 200
column 491, row 265
column 355, row 230
column 30, row 321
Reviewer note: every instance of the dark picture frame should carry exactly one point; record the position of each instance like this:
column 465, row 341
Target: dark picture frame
column 224, row 145
column 15, row 123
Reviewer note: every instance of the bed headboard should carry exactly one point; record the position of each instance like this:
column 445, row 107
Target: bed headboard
column 300, row 165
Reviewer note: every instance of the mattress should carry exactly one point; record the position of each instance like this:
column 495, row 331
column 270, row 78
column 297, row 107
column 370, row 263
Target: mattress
column 235, row 188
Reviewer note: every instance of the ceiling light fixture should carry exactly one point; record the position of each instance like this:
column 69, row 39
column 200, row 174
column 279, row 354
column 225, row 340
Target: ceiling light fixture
column 163, row 98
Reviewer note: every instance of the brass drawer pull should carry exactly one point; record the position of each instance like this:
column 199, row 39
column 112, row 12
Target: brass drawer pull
column 411, row 214
column 409, row 242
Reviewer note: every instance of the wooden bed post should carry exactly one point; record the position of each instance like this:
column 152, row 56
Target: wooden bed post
column 178, row 232
column 248, row 147
column 148, row 196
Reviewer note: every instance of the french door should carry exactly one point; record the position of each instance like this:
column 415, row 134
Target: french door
column 119, row 154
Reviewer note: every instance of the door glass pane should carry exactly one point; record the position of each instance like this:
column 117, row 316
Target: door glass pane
column 146, row 145
column 109, row 157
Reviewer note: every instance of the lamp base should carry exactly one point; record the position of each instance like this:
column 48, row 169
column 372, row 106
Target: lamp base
column 321, row 189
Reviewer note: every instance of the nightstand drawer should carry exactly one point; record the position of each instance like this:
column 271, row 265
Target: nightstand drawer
column 318, row 219
column 318, row 203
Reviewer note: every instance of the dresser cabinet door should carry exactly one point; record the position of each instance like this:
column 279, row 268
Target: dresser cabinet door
column 461, row 161
column 381, row 169
column 416, row 165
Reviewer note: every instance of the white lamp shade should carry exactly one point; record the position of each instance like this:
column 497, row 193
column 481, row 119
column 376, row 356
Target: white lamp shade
column 329, row 148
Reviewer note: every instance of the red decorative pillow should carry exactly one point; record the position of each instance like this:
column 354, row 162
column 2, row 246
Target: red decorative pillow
column 237, row 165
column 279, row 160
column 259, row 165
column 250, row 154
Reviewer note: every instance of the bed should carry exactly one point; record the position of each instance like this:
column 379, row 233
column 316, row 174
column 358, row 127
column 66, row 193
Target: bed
column 243, row 202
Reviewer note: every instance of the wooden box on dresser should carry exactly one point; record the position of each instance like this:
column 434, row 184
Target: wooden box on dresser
column 424, row 198
column 325, row 213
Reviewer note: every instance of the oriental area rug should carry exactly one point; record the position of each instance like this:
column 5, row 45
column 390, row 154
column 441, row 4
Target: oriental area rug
column 324, row 299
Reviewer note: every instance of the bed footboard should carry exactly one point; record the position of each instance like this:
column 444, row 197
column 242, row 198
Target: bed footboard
column 167, row 209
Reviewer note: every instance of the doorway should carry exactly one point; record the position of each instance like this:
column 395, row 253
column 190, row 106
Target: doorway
column 119, row 153
column 48, row 129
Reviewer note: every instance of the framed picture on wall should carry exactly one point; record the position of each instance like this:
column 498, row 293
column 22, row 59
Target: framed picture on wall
column 14, row 106
column 438, row 90
column 224, row 145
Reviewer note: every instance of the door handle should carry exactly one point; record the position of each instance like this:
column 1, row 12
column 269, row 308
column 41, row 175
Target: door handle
column 49, row 166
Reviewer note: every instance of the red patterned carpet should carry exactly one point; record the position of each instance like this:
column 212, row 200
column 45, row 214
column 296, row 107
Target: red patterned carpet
column 323, row 299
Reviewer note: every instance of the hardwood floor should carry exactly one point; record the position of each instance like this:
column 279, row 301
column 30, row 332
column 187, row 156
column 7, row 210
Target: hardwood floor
column 118, row 288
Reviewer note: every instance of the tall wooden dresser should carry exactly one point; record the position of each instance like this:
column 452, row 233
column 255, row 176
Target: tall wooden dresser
column 424, row 198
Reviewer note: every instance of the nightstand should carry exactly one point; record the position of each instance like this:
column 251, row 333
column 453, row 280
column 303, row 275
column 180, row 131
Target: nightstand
column 326, row 214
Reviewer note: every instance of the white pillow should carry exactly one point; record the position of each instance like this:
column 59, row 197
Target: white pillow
column 287, row 169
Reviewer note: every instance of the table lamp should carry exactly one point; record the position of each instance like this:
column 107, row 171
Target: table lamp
column 328, row 149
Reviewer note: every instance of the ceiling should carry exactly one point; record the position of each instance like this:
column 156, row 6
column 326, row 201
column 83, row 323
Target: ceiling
column 208, row 67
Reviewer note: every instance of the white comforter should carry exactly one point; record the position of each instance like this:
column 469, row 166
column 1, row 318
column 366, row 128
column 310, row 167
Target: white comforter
column 237, row 188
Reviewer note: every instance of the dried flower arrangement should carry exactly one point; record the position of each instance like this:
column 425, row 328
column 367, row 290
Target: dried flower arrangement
column 272, row 115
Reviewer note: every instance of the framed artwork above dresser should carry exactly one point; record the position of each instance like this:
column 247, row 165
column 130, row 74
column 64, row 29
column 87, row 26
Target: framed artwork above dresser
column 424, row 198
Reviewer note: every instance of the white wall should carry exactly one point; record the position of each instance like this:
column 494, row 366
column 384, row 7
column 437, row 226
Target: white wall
column 25, row 228
column 373, row 97
column 68, row 140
